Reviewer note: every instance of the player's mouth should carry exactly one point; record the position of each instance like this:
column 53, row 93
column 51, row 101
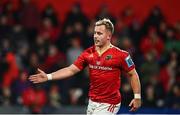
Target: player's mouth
column 96, row 41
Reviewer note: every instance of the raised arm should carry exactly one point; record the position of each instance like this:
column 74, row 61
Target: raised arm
column 57, row 75
column 136, row 86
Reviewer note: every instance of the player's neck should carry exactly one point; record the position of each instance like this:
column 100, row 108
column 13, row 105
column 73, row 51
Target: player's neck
column 104, row 48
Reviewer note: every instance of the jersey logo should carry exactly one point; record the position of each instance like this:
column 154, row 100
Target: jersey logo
column 108, row 57
column 129, row 61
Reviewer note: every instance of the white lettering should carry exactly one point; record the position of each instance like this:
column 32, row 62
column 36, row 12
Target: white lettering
column 99, row 67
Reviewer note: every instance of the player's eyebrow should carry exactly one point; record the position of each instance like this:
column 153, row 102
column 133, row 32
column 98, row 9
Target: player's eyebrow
column 99, row 33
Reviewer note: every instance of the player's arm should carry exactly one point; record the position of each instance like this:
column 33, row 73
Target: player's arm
column 136, row 86
column 57, row 75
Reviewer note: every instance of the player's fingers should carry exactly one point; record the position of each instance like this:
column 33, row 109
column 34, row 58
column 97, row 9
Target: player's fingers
column 34, row 76
column 131, row 103
column 133, row 109
column 40, row 71
column 36, row 81
column 33, row 79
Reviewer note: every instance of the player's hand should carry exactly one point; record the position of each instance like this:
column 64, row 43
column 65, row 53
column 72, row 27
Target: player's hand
column 38, row 78
column 135, row 104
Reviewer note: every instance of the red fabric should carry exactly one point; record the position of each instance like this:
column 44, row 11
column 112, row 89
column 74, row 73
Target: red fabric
column 148, row 45
column 30, row 16
column 40, row 98
column 34, row 98
column 177, row 36
column 128, row 19
column 104, row 73
column 51, row 33
column 28, row 97
column 164, row 78
column 89, row 7
column 12, row 72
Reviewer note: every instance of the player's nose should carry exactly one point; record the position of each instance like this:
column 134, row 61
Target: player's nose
column 95, row 35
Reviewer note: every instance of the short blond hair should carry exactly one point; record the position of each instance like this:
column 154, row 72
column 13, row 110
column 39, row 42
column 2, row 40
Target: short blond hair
column 108, row 24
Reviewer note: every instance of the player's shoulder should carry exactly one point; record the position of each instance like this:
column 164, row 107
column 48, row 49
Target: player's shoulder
column 120, row 51
column 90, row 49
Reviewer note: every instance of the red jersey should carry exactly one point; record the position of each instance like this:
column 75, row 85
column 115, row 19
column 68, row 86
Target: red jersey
column 105, row 71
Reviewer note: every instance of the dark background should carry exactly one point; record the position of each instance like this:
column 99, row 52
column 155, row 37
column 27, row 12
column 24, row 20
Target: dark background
column 50, row 34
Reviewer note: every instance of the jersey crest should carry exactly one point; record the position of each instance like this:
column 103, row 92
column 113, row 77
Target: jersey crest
column 108, row 57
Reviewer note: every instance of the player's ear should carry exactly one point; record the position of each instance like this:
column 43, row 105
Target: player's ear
column 109, row 36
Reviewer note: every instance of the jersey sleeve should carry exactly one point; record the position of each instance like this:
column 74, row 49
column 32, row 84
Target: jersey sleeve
column 80, row 62
column 127, row 63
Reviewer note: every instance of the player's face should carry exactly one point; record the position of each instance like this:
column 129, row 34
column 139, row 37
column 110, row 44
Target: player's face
column 101, row 35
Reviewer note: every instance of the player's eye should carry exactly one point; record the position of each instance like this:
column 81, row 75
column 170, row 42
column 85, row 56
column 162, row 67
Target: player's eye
column 99, row 33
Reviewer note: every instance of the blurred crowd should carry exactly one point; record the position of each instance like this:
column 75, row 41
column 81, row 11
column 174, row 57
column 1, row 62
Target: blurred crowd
column 30, row 39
